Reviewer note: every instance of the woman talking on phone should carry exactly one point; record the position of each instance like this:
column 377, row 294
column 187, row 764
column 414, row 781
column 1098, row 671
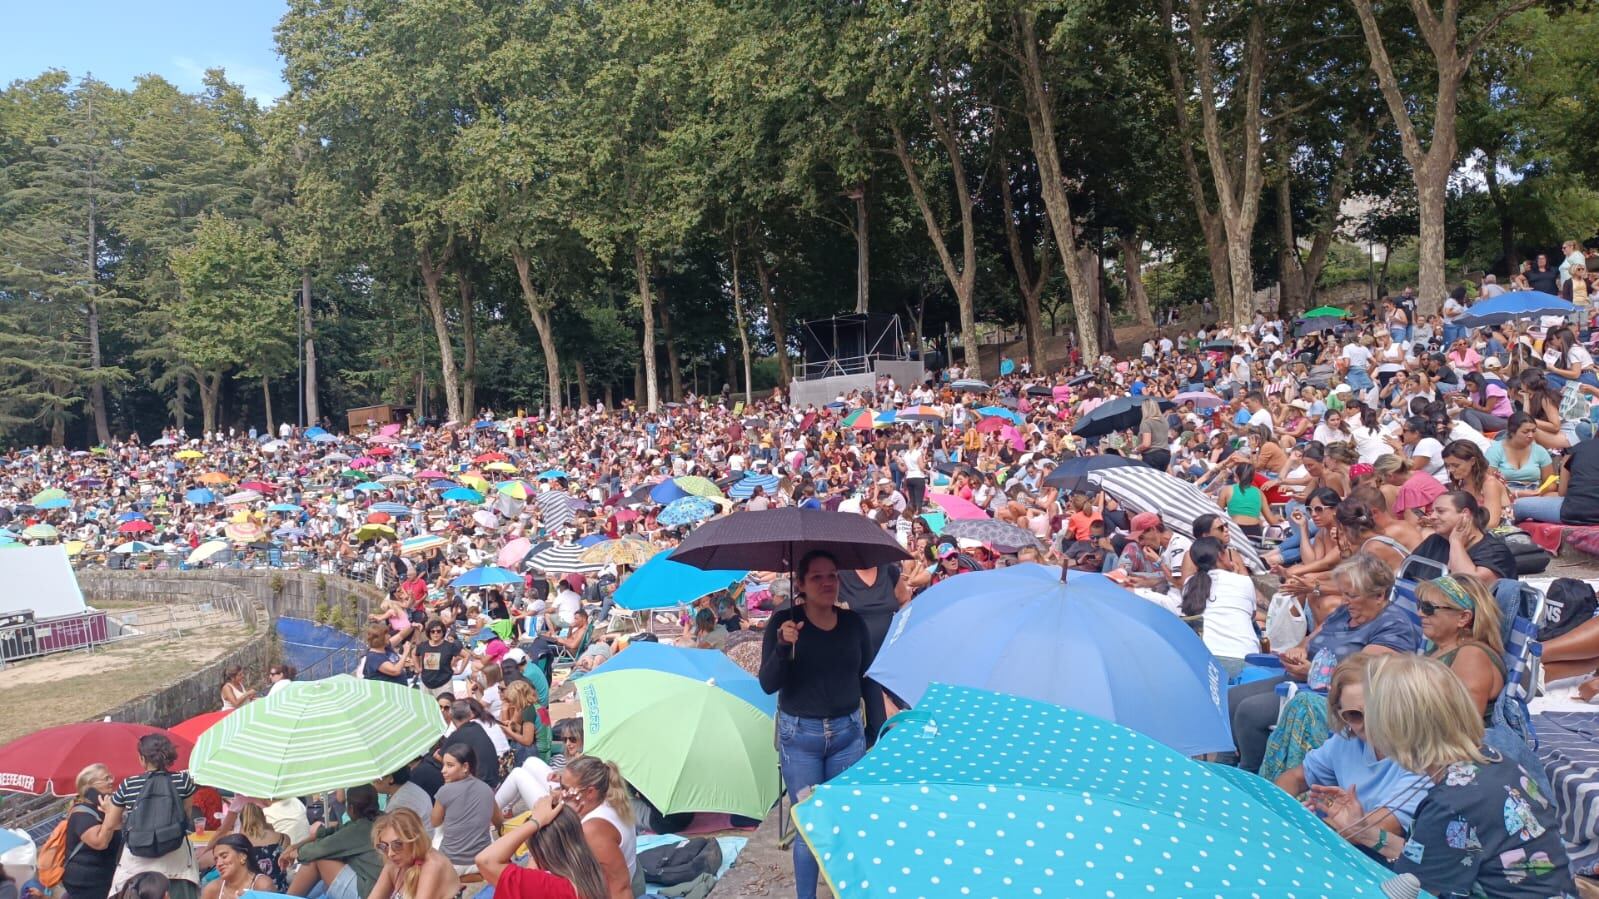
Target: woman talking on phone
column 813, row 656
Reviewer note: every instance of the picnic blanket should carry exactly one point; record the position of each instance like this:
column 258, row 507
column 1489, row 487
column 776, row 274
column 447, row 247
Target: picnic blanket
column 1568, row 745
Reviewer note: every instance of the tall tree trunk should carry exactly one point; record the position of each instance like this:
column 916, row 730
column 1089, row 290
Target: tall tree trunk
column 266, row 401
column 313, row 413
column 538, row 312
column 1030, row 277
column 1092, row 267
column 1210, row 225
column 582, row 383
column 610, row 399
column 1291, row 291
column 432, row 273
column 962, row 278
column 641, row 272
column 180, row 405
column 674, row 366
column 1041, row 129
column 1431, row 164
column 210, row 392
column 1221, row 275
column 743, row 332
column 1133, row 269
column 97, row 404
column 1507, row 225
column 468, row 341
column 776, row 319
column 862, row 250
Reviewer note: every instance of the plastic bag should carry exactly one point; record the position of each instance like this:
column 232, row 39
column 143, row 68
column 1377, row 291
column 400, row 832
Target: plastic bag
column 1285, row 622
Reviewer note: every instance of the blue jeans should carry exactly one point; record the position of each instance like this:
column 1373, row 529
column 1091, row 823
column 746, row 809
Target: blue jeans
column 813, row 751
column 1292, row 547
column 1540, row 508
column 1452, row 333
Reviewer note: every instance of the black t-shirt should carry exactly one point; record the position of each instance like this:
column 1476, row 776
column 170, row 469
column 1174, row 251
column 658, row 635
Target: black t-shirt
column 1581, row 505
column 372, row 667
column 487, row 765
column 436, row 663
column 428, row 776
column 89, row 871
column 875, row 604
column 820, row 676
column 1490, row 552
column 1546, row 281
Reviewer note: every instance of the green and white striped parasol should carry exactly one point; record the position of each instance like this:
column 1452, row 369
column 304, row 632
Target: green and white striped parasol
column 317, row 735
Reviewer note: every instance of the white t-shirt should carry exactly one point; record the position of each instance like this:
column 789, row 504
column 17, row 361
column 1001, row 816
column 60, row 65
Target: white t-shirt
column 1434, row 451
column 1358, row 356
column 1325, row 435
column 567, row 603
column 1369, row 443
column 1230, row 616
column 1263, row 418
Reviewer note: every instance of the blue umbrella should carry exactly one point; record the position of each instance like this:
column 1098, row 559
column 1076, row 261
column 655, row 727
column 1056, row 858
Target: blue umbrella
column 590, row 540
column 1084, row 643
column 1514, row 305
column 662, row 583
column 483, row 425
column 400, row 509
column 370, row 486
column 200, row 496
column 462, row 495
column 687, row 510
column 885, row 417
column 666, row 492
column 59, row 502
column 129, row 516
column 324, row 437
column 984, row 794
column 284, row 507
column 487, row 576
column 695, row 664
column 1010, row 415
column 745, row 488
column 442, row 484
column 552, row 474
column 313, row 432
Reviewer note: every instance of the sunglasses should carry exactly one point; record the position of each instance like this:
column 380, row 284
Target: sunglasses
column 1428, row 609
column 1318, row 508
column 1352, row 716
column 385, row 847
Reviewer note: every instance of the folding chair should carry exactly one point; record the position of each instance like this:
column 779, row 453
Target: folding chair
column 1412, row 571
column 564, row 659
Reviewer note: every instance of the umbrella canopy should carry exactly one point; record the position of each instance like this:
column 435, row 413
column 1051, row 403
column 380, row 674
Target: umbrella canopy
column 990, row 531
column 955, row 507
column 1318, row 325
column 662, row 583
column 1072, row 474
column 556, row 508
column 191, row 729
column 1001, row 412
column 1517, row 304
column 629, row 551
column 462, row 495
column 164, row 441
column 285, row 507
column 552, row 474
column 685, row 740
column 258, row 486
column 44, row 496
column 317, row 735
column 374, row 531
column 486, row 576
column 1143, row 489
column 1326, row 312
column 243, row 531
column 699, row 664
column 694, row 485
column 486, row 518
column 686, row 510
column 47, row 762
column 502, row 467
column 214, row 478
column 40, row 532
column 413, row 545
column 565, row 559
column 745, row 488
column 664, row 492
column 188, row 455
column 135, row 546
column 399, row 510
column 206, row 551
column 971, row 385
column 243, row 496
column 430, row 475
column 371, row 487
column 943, row 805
column 136, row 526
column 489, row 457
column 1120, row 414
column 512, row 553
column 59, row 502
column 1083, row 643
column 919, row 413
column 1202, row 399
column 774, row 539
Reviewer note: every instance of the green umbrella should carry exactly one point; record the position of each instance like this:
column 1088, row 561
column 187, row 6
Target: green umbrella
column 317, row 735
column 40, row 532
column 694, row 485
column 44, row 496
column 687, row 744
column 1326, row 312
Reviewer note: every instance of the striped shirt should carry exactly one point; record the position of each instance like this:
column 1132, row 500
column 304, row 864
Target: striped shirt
column 129, row 791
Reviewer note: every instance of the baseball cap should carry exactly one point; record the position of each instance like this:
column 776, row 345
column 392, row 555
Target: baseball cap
column 1492, row 363
column 1359, row 469
column 574, row 580
column 945, row 551
column 1143, row 521
column 1343, row 388
column 517, row 656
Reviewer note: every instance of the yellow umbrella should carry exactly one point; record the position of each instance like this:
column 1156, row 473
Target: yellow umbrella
column 374, row 531
column 74, row 547
column 475, row 481
column 500, row 466
column 186, row 455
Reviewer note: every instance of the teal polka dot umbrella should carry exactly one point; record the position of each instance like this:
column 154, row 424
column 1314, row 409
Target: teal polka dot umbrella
column 979, row 794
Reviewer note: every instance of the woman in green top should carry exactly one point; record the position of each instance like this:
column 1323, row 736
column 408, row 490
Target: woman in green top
column 1245, row 503
column 1461, row 618
column 340, row 857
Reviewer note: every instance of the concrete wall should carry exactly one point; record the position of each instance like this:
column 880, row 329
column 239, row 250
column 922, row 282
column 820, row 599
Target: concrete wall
column 280, row 592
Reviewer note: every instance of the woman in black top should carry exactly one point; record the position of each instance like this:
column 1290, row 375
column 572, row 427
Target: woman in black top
column 1460, row 539
column 813, row 656
column 92, row 850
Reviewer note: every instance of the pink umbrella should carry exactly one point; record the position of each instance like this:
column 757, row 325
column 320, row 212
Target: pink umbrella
column 431, row 475
column 512, row 554
column 389, row 430
column 381, row 438
column 363, row 462
column 1015, row 438
column 955, row 507
column 991, row 424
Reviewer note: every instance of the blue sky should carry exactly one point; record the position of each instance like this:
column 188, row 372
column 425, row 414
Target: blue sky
column 118, row 40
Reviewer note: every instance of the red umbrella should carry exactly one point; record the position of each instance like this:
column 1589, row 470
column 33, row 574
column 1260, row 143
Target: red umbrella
column 625, row 515
column 191, row 729
column 136, row 526
column 380, row 451
column 490, row 457
column 991, row 425
column 47, row 761
column 257, row 486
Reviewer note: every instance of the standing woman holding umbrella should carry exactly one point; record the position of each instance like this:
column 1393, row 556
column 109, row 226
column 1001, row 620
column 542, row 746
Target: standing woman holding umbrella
column 814, row 656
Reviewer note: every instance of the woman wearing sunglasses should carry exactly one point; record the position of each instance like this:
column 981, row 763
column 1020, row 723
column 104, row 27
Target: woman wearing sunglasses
column 1347, row 760
column 412, row 868
column 1461, row 618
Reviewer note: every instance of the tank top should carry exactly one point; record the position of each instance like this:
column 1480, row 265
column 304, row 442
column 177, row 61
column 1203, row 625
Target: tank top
column 1245, row 501
column 629, row 834
column 1387, row 541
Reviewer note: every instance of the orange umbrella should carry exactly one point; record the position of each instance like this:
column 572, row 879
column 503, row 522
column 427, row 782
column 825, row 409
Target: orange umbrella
column 214, row 477
column 379, row 518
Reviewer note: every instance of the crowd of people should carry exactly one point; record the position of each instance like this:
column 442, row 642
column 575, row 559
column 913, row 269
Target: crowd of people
column 1348, row 451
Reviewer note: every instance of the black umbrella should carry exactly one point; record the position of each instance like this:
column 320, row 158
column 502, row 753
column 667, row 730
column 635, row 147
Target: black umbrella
column 639, row 495
column 971, row 385
column 1220, row 346
column 1080, row 380
column 1318, row 324
column 1072, row 474
column 1040, row 390
column 775, row 539
column 990, row 531
column 1119, row 414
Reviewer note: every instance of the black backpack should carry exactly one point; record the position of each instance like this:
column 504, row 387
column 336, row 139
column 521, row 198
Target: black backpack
column 157, row 824
column 680, row 863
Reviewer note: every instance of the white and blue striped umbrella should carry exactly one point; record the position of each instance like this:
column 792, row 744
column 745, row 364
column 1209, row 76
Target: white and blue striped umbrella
column 746, row 488
column 564, row 559
column 1140, row 488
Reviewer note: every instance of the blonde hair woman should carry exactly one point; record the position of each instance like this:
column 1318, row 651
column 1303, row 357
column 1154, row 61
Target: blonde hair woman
column 93, row 848
column 596, row 791
column 1484, row 827
column 412, row 868
column 1462, row 620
